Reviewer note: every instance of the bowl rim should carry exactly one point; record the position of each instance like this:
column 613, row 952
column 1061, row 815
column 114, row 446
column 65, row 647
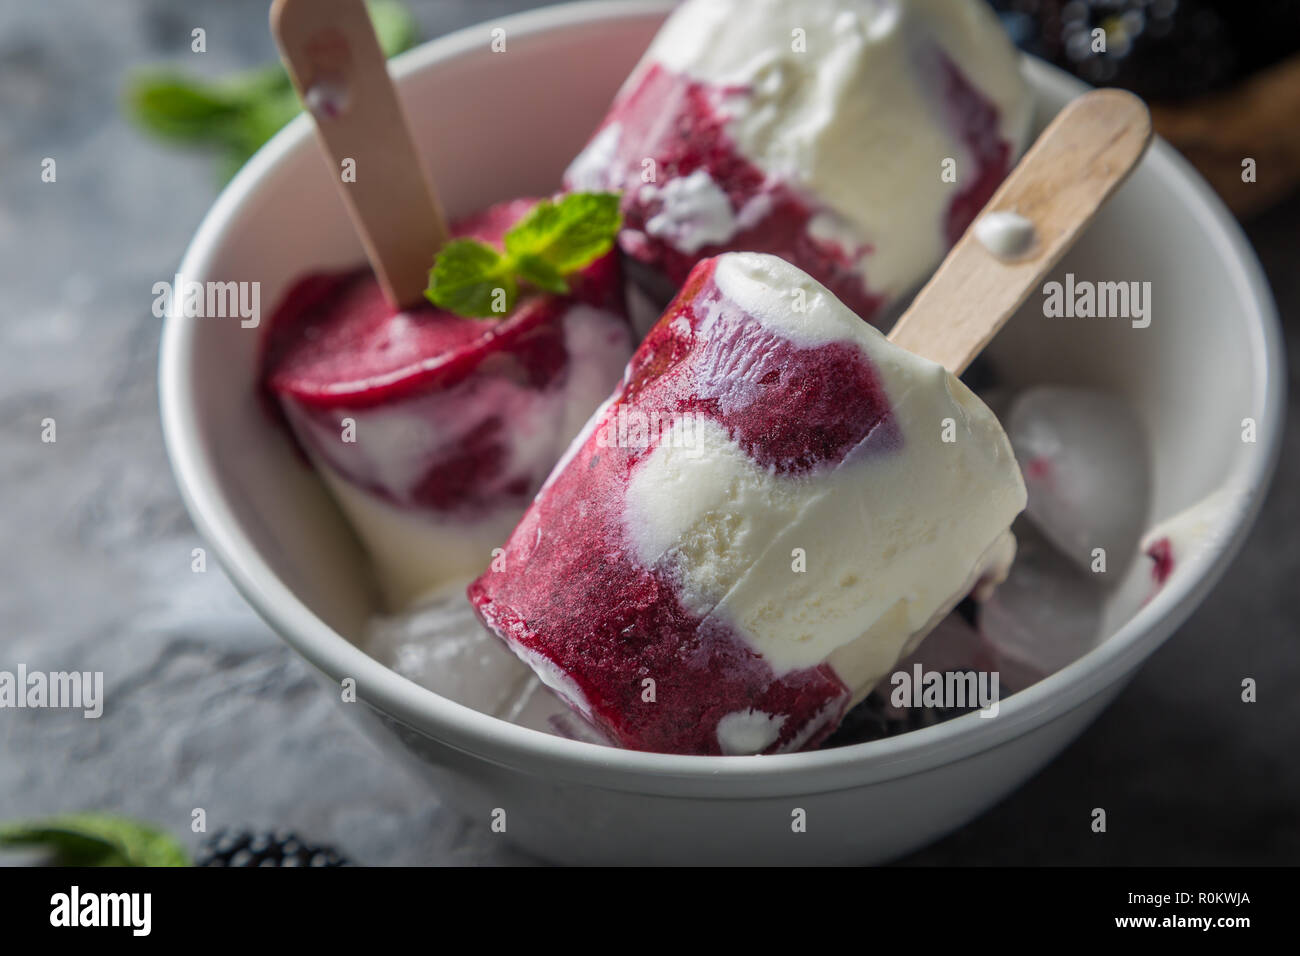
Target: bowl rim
column 502, row 743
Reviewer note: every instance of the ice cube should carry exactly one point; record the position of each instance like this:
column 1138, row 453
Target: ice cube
column 1046, row 614
column 536, row 706
column 1086, row 465
column 441, row 645
column 1174, row 541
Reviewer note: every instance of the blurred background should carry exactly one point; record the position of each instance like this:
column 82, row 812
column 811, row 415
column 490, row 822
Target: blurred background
column 207, row 708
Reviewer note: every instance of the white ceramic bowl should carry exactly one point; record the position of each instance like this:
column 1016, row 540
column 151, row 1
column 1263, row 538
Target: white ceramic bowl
column 499, row 125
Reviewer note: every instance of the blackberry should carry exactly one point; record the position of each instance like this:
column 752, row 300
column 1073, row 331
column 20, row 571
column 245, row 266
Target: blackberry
column 864, row 722
column 1160, row 49
column 868, row 720
column 245, row 848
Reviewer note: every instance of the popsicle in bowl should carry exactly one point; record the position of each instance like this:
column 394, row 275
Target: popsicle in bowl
column 434, row 430
column 854, row 139
column 432, row 423
column 777, row 503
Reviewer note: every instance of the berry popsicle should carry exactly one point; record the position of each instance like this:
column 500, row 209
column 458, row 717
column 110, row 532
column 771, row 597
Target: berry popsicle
column 855, row 139
column 777, row 503
column 433, row 431
column 784, row 440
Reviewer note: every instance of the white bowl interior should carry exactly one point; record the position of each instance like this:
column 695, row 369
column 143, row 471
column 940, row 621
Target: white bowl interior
column 493, row 126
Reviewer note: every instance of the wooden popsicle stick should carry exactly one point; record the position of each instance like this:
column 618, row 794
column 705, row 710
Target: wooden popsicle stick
column 1079, row 160
column 333, row 57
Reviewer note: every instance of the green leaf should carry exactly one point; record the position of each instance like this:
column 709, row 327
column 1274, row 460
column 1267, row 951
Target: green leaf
column 96, row 839
column 466, row 277
column 267, row 116
column 541, row 273
column 252, row 85
column 567, row 234
column 554, row 240
column 176, row 107
column 394, row 26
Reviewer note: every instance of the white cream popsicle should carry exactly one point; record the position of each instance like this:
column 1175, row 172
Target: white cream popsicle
column 854, row 138
column 773, row 508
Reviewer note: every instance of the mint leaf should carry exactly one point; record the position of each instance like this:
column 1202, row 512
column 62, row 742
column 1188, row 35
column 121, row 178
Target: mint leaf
column 266, row 116
column 176, row 107
column 566, row 234
column 394, row 26
column 554, row 240
column 541, row 273
column 96, row 839
column 465, row 279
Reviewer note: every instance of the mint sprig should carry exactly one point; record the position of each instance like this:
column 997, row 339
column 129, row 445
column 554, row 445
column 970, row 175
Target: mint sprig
column 556, row 239
column 96, row 839
column 236, row 115
column 466, row 277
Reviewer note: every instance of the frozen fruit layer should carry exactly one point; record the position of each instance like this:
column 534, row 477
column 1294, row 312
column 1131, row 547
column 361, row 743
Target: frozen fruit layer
column 432, row 430
column 764, row 517
column 855, row 139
